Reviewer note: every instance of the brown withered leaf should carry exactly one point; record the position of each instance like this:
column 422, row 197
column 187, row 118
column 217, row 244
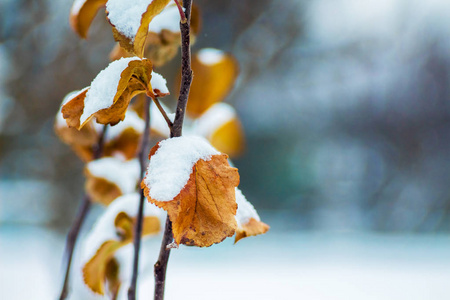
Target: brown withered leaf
column 214, row 75
column 134, row 79
column 82, row 14
column 98, row 270
column 251, row 228
column 135, row 43
column 203, row 213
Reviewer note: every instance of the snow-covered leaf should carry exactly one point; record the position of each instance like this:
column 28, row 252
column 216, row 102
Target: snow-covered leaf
column 109, row 177
column 112, row 231
column 111, row 91
column 221, row 126
column 163, row 39
column 130, row 21
column 214, row 75
column 248, row 221
column 194, row 183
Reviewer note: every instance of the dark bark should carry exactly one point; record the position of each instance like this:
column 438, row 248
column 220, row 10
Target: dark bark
column 176, row 131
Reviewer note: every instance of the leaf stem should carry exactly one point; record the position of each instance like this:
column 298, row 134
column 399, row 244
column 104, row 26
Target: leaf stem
column 138, row 228
column 176, row 131
column 72, row 236
column 163, row 112
column 180, row 9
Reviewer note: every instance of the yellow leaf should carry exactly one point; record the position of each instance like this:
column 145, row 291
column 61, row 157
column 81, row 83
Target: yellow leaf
column 82, row 14
column 203, row 213
column 214, row 75
column 229, row 138
column 132, row 38
column 221, row 126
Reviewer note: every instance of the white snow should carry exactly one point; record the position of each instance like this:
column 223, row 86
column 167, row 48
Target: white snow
column 77, row 4
column 126, row 15
column 245, row 210
column 125, row 174
column 171, row 165
column 210, row 56
column 168, row 19
column 132, row 120
column 159, row 83
column 211, row 120
column 104, row 87
column 157, row 121
column 104, row 229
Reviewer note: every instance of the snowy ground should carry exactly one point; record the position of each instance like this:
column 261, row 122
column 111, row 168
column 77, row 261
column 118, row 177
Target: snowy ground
column 276, row 266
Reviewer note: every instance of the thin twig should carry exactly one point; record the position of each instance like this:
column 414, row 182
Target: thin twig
column 72, row 236
column 163, row 112
column 180, row 9
column 138, row 228
column 176, row 131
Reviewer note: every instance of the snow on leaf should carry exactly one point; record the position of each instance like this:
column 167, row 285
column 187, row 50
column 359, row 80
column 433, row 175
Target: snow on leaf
column 215, row 73
column 196, row 186
column 82, row 13
column 221, row 126
column 248, row 221
column 110, row 177
column 163, row 39
column 112, row 231
column 111, row 91
column 130, row 21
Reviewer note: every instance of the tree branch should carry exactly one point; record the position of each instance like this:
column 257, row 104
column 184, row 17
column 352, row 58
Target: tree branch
column 138, row 228
column 176, row 131
column 84, row 208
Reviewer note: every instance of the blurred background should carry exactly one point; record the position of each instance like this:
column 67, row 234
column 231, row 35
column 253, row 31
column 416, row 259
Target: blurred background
column 346, row 110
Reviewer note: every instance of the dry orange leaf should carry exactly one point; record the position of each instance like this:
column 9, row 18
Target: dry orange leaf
column 82, row 13
column 130, row 21
column 214, row 75
column 111, row 91
column 251, row 228
column 116, row 225
column 203, row 212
